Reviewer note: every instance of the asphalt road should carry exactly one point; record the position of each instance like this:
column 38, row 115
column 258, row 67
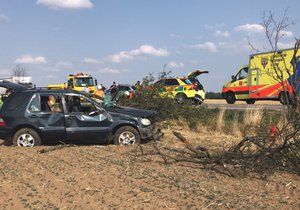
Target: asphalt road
column 270, row 105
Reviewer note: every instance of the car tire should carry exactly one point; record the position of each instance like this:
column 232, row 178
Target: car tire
column 230, row 98
column 180, row 97
column 126, row 136
column 198, row 101
column 284, row 98
column 250, row 101
column 26, row 137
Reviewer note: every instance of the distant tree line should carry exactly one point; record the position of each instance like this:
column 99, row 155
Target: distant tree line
column 213, row 95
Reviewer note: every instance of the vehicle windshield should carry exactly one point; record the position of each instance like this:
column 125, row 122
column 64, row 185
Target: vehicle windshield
column 242, row 74
column 84, row 82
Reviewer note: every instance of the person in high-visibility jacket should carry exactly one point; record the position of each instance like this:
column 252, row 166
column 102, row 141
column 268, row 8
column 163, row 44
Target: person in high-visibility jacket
column 99, row 93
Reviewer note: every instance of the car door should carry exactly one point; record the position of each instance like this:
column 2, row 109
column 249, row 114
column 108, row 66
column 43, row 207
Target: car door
column 85, row 121
column 240, row 84
column 172, row 86
column 50, row 122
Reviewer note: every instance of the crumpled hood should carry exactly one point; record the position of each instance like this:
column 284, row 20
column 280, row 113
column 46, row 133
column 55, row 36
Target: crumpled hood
column 132, row 111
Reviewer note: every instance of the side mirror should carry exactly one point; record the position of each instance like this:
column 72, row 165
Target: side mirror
column 96, row 82
column 232, row 78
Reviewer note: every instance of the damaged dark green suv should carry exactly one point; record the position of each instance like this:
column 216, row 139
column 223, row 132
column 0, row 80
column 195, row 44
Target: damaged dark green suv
column 32, row 117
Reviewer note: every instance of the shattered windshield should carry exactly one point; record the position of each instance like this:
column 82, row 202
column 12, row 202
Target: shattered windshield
column 84, row 82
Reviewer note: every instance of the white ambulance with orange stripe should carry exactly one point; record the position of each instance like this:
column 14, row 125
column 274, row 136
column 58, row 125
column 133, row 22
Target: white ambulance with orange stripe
column 265, row 78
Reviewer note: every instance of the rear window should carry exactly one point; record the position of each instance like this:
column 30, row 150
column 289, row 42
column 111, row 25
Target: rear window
column 186, row 81
column 123, row 88
column 13, row 102
column 169, row 82
column 194, row 81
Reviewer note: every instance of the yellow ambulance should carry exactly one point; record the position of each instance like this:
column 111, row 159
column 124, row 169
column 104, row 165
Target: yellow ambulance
column 265, row 78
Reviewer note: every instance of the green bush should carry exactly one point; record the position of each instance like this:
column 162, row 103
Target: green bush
column 149, row 96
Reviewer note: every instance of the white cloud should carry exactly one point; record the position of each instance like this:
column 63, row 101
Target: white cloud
column 92, row 60
column 66, row 4
column 143, row 50
column 209, row 46
column 174, row 64
column 28, row 59
column 4, row 18
column 222, row 34
column 217, row 25
column 50, row 76
column 235, row 46
column 63, row 64
column 108, row 70
column 281, row 45
column 226, row 45
column 55, row 29
column 286, row 33
column 174, row 36
column 250, row 28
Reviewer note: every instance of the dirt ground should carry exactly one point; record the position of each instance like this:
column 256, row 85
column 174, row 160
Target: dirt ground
column 101, row 177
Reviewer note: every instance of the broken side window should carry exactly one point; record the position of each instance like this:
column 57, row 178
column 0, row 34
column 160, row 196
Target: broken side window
column 76, row 104
column 35, row 105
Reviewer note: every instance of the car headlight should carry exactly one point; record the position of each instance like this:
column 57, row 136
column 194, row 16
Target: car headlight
column 145, row 121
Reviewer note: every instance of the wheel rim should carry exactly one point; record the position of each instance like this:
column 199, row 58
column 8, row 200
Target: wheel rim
column 25, row 140
column 230, row 98
column 127, row 138
column 180, row 98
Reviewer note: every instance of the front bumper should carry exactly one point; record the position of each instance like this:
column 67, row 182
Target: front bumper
column 200, row 93
column 151, row 133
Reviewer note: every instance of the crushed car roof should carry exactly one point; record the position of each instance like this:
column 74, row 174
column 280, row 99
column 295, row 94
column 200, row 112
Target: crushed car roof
column 12, row 86
column 20, row 88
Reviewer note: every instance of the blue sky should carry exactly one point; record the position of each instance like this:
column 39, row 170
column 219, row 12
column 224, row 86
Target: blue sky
column 123, row 40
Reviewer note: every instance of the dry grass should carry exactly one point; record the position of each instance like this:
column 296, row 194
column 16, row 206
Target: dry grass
column 220, row 120
column 236, row 128
column 240, row 127
column 282, row 121
column 253, row 116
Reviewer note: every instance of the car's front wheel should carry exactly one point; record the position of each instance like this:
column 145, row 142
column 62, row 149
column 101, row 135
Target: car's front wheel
column 127, row 136
column 230, row 98
column 26, row 137
column 180, row 97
